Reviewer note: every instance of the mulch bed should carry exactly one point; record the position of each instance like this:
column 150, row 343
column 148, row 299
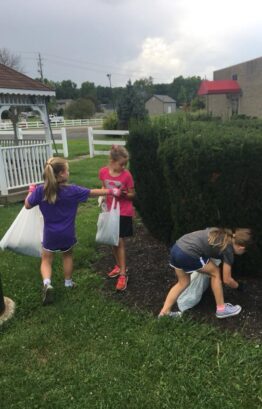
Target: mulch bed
column 150, row 278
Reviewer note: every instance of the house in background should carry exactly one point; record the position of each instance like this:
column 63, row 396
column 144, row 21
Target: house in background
column 160, row 104
column 235, row 90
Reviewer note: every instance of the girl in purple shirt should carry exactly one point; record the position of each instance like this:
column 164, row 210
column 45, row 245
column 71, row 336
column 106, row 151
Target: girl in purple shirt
column 58, row 202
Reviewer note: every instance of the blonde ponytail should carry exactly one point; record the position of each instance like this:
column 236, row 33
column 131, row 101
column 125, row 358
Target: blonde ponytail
column 219, row 237
column 52, row 169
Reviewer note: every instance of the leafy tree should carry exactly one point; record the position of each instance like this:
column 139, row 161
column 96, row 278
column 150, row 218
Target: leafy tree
column 183, row 90
column 88, row 89
column 79, row 109
column 131, row 106
column 66, row 89
column 10, row 60
column 144, row 87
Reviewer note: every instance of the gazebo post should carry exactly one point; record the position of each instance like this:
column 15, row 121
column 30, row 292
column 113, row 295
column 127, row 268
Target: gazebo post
column 7, row 306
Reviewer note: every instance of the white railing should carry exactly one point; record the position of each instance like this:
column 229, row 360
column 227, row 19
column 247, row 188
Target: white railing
column 92, row 141
column 26, row 137
column 22, row 165
column 56, row 124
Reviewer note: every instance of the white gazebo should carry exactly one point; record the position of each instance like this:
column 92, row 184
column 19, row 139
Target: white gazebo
column 22, row 163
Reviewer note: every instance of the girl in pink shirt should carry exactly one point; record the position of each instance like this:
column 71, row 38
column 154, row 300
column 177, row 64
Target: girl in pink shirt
column 116, row 176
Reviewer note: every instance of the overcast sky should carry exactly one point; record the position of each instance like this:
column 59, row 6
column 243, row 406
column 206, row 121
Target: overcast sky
column 84, row 40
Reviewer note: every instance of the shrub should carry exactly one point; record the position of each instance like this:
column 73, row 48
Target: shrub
column 110, row 121
column 201, row 174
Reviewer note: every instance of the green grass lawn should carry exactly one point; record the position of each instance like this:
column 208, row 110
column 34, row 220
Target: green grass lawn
column 86, row 351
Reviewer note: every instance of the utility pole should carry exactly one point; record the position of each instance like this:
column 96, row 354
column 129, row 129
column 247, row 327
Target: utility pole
column 112, row 96
column 40, row 67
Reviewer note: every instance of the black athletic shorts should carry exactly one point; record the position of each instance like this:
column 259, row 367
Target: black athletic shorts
column 126, row 226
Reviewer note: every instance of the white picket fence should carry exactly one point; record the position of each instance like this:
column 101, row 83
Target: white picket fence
column 26, row 137
column 92, row 141
column 23, row 164
column 7, row 125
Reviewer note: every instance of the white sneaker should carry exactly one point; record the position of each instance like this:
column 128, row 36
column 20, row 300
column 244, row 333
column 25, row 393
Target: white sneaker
column 171, row 314
column 48, row 294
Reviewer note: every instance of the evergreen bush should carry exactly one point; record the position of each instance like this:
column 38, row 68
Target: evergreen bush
column 190, row 175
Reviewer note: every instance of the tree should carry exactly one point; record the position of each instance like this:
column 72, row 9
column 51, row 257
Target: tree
column 131, row 106
column 88, row 89
column 79, row 109
column 184, row 90
column 145, row 87
column 10, row 60
column 66, row 89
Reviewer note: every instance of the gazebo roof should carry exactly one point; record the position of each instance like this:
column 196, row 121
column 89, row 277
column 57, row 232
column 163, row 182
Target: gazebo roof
column 14, row 82
column 219, row 87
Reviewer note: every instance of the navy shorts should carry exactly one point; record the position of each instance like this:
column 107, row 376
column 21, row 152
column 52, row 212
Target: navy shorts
column 179, row 259
column 126, row 226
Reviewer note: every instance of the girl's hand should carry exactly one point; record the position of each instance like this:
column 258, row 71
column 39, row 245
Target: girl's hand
column 115, row 192
column 32, row 188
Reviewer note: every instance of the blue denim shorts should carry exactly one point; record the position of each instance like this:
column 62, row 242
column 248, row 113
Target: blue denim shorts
column 179, row 259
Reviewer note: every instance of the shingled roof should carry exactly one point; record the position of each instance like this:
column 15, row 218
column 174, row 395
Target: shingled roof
column 164, row 98
column 14, row 82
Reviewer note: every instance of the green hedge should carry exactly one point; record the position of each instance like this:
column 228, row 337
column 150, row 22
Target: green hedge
column 190, row 175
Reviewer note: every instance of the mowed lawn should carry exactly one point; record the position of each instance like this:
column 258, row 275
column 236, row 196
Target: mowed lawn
column 88, row 352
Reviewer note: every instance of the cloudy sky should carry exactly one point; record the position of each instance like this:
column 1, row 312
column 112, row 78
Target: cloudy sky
column 84, row 40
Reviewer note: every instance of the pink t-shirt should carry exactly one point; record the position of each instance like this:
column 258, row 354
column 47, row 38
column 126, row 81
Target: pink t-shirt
column 124, row 181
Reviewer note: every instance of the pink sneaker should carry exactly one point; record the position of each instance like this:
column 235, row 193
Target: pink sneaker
column 122, row 282
column 114, row 273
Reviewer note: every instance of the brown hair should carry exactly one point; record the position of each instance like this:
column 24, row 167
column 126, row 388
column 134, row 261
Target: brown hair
column 118, row 152
column 52, row 169
column 222, row 237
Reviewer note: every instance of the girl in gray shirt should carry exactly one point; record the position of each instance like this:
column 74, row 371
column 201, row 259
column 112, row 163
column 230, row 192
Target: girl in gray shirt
column 193, row 252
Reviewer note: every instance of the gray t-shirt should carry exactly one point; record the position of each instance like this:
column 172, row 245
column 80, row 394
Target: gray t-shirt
column 196, row 245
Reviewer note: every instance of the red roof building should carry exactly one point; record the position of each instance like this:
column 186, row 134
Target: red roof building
column 219, row 87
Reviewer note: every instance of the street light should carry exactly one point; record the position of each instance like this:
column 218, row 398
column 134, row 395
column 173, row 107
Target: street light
column 112, row 96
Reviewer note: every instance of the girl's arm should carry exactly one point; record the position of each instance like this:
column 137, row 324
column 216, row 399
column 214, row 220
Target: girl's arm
column 31, row 189
column 102, row 192
column 128, row 194
column 227, row 276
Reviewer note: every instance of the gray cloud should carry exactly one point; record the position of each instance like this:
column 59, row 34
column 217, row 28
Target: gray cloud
column 83, row 40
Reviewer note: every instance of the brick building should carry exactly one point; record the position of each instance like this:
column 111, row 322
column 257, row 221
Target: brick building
column 242, row 97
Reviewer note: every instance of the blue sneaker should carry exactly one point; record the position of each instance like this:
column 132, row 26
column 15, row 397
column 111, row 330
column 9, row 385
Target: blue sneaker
column 229, row 311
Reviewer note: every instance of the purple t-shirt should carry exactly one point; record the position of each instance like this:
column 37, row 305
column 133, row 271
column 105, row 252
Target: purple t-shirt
column 59, row 218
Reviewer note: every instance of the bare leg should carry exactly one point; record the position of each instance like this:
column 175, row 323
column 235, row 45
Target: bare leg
column 68, row 264
column 46, row 264
column 121, row 255
column 115, row 254
column 216, row 284
column 176, row 290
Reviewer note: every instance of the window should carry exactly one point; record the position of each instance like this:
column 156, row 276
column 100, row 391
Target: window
column 234, row 77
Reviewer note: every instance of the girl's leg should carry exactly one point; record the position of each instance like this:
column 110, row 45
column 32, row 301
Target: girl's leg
column 46, row 265
column 223, row 310
column 46, row 271
column 176, row 290
column 216, row 284
column 121, row 257
column 115, row 254
column 68, row 266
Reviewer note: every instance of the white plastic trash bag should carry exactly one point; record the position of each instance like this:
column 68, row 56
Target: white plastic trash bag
column 194, row 292
column 25, row 234
column 108, row 225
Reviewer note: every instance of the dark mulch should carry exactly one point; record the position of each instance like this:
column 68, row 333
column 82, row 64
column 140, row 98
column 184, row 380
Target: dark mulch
column 150, row 278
